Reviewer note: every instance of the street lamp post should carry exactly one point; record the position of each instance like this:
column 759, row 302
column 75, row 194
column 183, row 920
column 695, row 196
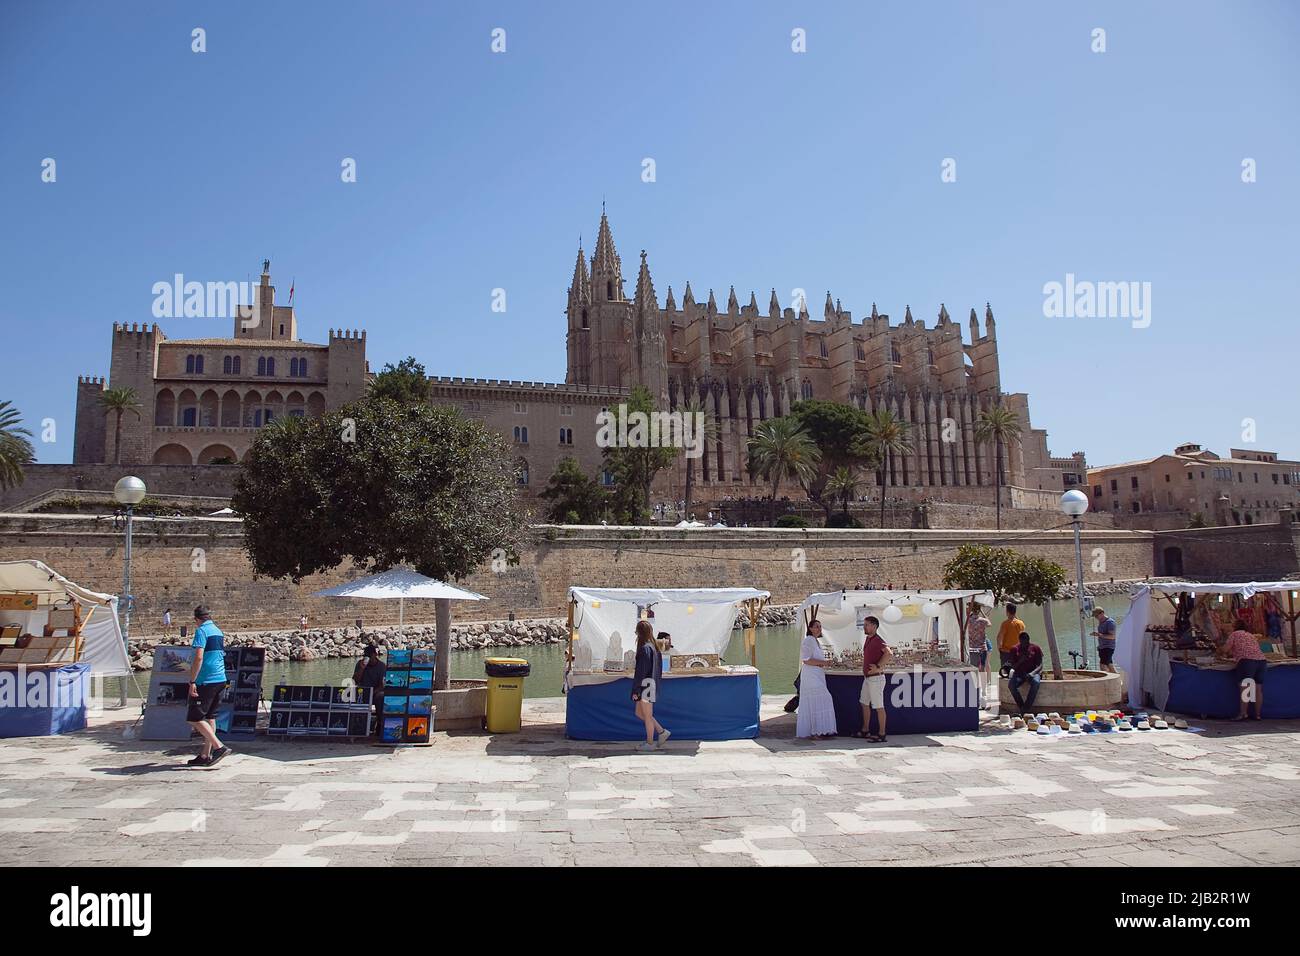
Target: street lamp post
column 1074, row 503
column 128, row 491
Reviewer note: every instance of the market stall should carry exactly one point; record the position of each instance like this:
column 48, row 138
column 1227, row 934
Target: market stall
column 1169, row 645
column 701, row 696
column 929, row 686
column 54, row 635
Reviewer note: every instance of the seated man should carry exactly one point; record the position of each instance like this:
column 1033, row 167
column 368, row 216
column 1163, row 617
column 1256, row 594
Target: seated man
column 1024, row 666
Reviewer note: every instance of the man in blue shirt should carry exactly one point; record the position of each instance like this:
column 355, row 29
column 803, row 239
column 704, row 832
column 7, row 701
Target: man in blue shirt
column 1105, row 635
column 207, row 681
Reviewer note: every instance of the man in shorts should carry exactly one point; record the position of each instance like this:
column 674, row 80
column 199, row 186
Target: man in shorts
column 1105, row 635
column 207, row 681
column 875, row 655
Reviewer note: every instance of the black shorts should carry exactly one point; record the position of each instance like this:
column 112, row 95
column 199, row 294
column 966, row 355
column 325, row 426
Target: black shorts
column 206, row 704
column 1106, row 654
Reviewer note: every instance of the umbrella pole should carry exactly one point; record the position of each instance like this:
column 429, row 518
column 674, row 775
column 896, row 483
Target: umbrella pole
column 401, row 611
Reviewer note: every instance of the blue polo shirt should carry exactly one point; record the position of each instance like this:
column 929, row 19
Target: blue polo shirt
column 1106, row 634
column 213, row 669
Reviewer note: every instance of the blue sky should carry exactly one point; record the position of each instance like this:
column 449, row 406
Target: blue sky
column 818, row 170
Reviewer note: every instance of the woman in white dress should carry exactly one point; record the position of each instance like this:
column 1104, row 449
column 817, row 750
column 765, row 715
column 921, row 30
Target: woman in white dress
column 816, row 711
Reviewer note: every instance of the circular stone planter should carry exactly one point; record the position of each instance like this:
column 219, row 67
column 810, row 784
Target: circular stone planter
column 1081, row 690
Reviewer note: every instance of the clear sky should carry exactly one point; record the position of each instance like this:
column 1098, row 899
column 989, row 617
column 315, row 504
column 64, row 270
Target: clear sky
column 818, row 170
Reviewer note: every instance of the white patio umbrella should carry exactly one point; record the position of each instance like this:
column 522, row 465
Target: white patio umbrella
column 399, row 584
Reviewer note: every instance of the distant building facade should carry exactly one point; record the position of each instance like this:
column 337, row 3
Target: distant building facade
column 1247, row 487
column 202, row 401
column 746, row 365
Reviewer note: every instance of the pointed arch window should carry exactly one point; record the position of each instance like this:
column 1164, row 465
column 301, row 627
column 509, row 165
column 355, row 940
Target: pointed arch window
column 194, row 364
column 584, row 319
column 894, row 355
column 806, row 391
column 862, row 354
column 821, row 343
column 609, row 289
column 521, row 434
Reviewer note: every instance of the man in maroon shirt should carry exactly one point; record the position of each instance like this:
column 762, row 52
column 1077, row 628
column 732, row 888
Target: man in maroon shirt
column 875, row 655
column 1026, row 663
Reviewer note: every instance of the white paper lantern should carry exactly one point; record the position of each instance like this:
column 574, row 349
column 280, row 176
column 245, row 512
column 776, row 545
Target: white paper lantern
column 930, row 608
column 891, row 614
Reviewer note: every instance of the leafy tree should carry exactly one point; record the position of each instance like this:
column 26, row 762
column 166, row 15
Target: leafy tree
column 575, row 498
column 791, row 521
column 404, row 383
column 15, row 448
column 999, row 426
column 119, row 401
column 1010, row 574
column 840, row 432
column 780, row 449
column 885, row 435
column 843, row 485
column 381, row 484
column 634, row 464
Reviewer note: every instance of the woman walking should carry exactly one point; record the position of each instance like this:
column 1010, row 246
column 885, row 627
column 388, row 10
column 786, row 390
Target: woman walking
column 816, row 710
column 645, row 684
column 978, row 644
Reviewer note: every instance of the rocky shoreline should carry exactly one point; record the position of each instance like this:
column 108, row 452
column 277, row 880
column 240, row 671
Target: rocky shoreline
column 320, row 643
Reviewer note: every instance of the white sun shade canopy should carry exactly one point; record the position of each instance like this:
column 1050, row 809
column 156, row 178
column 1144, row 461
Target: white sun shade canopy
column 700, row 620
column 101, row 635
column 399, row 584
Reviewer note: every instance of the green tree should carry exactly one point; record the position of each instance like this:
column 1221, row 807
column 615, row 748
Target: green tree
column 780, row 449
column 999, row 426
column 843, row 486
column 629, row 456
column 119, row 401
column 884, row 436
column 15, row 448
column 696, row 411
column 404, row 383
column 1010, row 574
column 381, row 484
column 575, row 497
column 840, row 433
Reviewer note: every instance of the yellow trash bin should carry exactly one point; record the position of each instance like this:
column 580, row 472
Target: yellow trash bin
column 505, row 693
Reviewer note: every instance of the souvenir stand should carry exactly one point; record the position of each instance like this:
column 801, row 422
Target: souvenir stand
column 54, row 635
column 408, row 699
column 700, row 698
column 929, row 686
column 1169, row 646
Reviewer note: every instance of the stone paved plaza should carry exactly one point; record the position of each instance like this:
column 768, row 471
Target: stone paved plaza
column 1229, row 795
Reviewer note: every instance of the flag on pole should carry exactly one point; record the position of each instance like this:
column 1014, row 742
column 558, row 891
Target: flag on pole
column 291, row 283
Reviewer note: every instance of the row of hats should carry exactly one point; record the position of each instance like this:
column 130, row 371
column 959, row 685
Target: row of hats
column 1088, row 722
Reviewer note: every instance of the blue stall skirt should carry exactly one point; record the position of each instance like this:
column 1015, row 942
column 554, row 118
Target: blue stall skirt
column 721, row 707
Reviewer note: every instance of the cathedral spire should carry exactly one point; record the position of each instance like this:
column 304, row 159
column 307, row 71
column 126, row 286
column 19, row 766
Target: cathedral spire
column 713, row 304
column 671, row 304
column 907, row 314
column 874, row 313
column 733, row 306
column 753, row 303
column 606, row 268
column 645, row 288
column 829, row 309
column 688, row 298
column 773, row 306
column 580, row 289
column 943, row 313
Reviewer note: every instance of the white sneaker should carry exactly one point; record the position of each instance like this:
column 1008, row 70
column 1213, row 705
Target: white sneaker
column 645, row 746
column 663, row 738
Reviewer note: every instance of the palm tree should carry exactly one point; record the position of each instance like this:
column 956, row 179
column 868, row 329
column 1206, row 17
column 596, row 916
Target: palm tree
column 843, row 484
column 1001, row 426
column 886, row 434
column 15, row 449
column 697, row 411
column 120, row 401
column 780, row 449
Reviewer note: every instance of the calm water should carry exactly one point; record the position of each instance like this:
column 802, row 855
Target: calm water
column 778, row 656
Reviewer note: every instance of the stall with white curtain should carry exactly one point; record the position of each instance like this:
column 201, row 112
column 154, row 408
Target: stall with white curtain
column 702, row 696
column 930, row 686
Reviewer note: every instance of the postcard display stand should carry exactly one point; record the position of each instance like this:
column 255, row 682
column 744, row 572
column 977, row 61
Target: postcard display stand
column 408, row 697
column 298, row 710
column 169, row 690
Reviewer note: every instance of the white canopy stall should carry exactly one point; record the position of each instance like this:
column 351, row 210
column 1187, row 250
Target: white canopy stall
column 101, row 635
column 926, row 617
column 705, row 700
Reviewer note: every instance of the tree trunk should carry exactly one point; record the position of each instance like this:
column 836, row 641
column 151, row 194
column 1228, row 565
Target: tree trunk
column 997, row 483
column 442, row 644
column 690, row 481
column 775, row 485
column 882, row 497
column 117, row 440
column 1052, row 651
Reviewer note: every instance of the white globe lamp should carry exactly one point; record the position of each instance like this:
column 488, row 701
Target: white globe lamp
column 1074, row 503
column 891, row 614
column 129, row 490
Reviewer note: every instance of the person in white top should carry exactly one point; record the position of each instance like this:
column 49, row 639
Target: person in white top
column 816, row 710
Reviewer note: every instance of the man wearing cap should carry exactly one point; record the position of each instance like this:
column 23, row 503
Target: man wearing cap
column 207, row 681
column 1105, row 635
